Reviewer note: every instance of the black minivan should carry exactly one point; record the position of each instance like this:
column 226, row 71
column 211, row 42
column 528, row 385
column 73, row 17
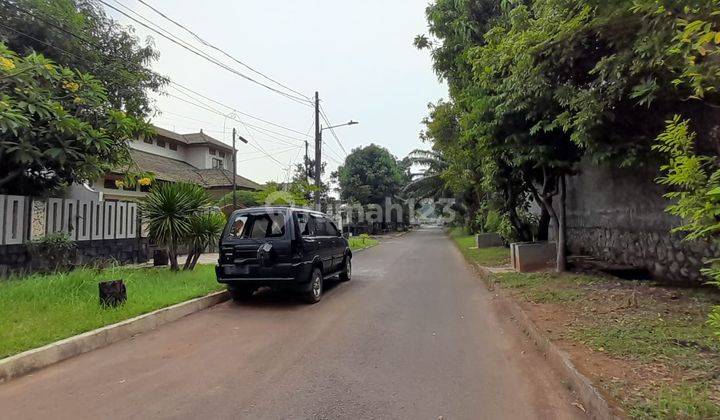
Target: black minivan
column 281, row 247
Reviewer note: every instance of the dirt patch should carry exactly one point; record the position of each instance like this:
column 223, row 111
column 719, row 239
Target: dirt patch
column 646, row 347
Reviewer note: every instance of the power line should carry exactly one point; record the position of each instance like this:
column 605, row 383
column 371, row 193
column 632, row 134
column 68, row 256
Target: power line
column 94, row 66
column 332, row 130
column 125, row 65
column 199, row 53
column 221, row 51
column 238, row 111
column 213, row 110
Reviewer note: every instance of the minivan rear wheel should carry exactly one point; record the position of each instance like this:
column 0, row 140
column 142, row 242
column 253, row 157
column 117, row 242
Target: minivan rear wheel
column 314, row 292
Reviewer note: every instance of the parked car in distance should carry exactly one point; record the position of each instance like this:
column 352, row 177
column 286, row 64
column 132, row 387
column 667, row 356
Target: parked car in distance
column 281, row 247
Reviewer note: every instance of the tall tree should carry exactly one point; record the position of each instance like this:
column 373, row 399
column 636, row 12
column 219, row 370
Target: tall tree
column 369, row 175
column 56, row 126
column 78, row 34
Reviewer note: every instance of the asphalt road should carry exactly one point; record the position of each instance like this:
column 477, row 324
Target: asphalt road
column 414, row 335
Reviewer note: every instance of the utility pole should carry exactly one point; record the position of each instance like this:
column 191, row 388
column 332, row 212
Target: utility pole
column 234, row 171
column 318, row 152
column 307, row 163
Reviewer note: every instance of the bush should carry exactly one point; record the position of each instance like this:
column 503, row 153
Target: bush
column 53, row 252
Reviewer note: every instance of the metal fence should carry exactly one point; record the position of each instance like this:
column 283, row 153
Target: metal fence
column 23, row 219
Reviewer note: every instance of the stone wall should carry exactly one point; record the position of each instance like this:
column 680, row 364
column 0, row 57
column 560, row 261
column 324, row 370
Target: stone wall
column 17, row 259
column 618, row 215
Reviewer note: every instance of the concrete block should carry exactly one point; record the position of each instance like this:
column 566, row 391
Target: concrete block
column 96, row 216
column 121, row 220
column 69, row 219
column 532, row 256
column 84, row 226
column 38, row 219
column 132, row 217
column 488, row 240
column 54, row 215
column 14, row 219
column 109, row 221
column 2, row 219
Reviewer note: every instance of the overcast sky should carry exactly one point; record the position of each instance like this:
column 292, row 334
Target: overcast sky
column 357, row 54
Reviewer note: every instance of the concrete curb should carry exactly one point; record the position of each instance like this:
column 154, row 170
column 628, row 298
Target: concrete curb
column 596, row 405
column 28, row 361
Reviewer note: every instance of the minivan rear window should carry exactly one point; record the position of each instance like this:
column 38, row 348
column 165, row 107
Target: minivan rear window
column 257, row 226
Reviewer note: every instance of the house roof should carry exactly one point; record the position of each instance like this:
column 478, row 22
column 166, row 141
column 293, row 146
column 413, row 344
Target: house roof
column 168, row 169
column 202, row 138
column 192, row 139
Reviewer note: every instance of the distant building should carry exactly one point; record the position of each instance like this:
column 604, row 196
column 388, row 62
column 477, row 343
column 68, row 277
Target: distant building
column 196, row 158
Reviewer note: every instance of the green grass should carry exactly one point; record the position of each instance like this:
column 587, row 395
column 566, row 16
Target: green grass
column 489, row 257
column 40, row 309
column 545, row 287
column 680, row 402
column 665, row 327
column 362, row 242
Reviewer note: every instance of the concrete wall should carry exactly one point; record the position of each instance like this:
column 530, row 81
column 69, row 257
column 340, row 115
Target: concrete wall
column 17, row 259
column 618, row 215
column 198, row 156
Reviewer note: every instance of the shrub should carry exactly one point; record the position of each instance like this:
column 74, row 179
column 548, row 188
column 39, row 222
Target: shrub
column 53, row 252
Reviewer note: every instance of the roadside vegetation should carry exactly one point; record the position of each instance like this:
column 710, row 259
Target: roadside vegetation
column 647, row 346
column 489, row 257
column 539, row 88
column 41, row 309
column 362, row 241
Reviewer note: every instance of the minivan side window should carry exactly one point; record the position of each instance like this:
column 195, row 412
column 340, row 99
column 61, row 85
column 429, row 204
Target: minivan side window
column 305, row 224
column 320, row 226
column 332, row 229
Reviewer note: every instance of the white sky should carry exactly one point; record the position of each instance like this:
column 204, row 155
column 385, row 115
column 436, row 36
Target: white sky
column 357, row 54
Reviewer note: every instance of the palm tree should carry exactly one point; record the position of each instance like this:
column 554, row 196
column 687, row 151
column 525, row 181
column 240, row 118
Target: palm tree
column 169, row 210
column 429, row 183
column 205, row 229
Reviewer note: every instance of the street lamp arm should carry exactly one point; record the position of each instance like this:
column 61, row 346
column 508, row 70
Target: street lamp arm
column 339, row 125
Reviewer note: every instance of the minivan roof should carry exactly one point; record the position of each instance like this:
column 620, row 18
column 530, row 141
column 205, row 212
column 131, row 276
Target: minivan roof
column 278, row 208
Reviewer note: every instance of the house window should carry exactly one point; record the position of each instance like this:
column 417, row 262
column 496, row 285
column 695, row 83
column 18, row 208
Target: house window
column 218, row 164
column 147, row 140
column 221, row 154
column 173, row 146
column 212, row 152
column 161, row 143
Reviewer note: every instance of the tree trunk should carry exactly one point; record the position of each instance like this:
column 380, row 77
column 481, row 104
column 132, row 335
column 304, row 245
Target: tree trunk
column 544, row 222
column 172, row 255
column 195, row 260
column 188, row 260
column 9, row 177
column 562, row 229
column 112, row 293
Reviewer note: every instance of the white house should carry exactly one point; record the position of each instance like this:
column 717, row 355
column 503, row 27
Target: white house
column 196, row 158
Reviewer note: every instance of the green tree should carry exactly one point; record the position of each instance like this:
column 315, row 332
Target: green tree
column 538, row 85
column 78, row 34
column 369, row 175
column 244, row 198
column 429, row 183
column 694, row 181
column 57, row 126
column 205, row 230
column 170, row 211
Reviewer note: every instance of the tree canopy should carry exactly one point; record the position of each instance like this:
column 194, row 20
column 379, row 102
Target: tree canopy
column 369, row 175
column 57, row 125
column 538, row 85
column 79, row 35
